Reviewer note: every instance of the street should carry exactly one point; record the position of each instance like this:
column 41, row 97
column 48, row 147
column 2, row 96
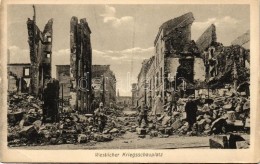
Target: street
column 130, row 140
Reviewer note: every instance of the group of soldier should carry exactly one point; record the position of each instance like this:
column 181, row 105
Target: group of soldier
column 171, row 105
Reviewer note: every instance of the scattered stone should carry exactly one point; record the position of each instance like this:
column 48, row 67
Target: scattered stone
column 141, row 131
column 177, row 124
column 168, row 130
column 165, row 120
column 201, row 125
column 231, row 116
column 114, row 130
column 53, row 141
column 29, row 132
column 15, row 117
column 141, row 136
column 242, row 145
column 247, row 123
column 82, row 138
column 218, row 142
column 154, row 133
column 233, row 138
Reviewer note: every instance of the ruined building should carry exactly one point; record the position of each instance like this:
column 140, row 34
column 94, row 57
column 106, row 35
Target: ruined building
column 184, row 66
column 18, row 77
column 80, row 62
column 225, row 65
column 40, row 44
column 176, row 61
column 63, row 75
column 104, row 84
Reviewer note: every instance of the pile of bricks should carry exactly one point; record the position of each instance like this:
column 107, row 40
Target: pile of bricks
column 221, row 116
column 25, row 126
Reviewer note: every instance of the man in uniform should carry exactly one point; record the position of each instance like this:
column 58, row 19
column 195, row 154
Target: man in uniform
column 191, row 110
column 143, row 111
column 100, row 117
column 50, row 98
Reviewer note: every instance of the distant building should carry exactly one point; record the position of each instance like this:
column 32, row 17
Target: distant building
column 18, row 77
column 124, row 101
column 134, row 94
column 63, row 75
column 103, row 84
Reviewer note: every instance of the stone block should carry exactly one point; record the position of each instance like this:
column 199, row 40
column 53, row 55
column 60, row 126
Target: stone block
column 37, row 124
column 238, row 123
column 165, row 120
column 231, row 116
column 184, row 116
column 107, row 137
column 29, row 132
column 201, row 125
column 247, row 123
column 207, row 127
column 177, row 124
column 161, row 130
column 218, row 142
column 133, row 128
column 114, row 130
column 242, row 145
column 208, row 121
column 141, row 131
column 154, row 133
column 53, row 141
column 15, row 117
column 98, row 138
column 141, row 136
column 233, row 138
column 82, row 138
column 199, row 117
column 165, row 136
column 168, row 130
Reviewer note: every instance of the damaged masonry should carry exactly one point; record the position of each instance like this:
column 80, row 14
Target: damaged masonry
column 186, row 88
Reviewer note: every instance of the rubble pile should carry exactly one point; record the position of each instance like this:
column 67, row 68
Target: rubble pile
column 221, row 116
column 25, row 125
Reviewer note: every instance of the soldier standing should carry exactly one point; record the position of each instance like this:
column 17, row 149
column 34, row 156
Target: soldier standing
column 191, row 111
column 143, row 111
column 100, row 117
column 50, row 98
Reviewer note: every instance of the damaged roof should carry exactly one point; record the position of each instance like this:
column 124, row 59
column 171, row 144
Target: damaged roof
column 243, row 40
column 177, row 22
column 207, row 38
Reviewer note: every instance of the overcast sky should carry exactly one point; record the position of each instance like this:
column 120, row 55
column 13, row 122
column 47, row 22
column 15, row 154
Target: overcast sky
column 120, row 33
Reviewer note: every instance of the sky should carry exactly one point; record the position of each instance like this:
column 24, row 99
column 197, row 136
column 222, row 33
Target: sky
column 122, row 35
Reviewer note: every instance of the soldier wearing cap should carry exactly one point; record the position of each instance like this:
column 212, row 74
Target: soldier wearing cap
column 100, row 117
column 143, row 112
column 50, row 99
column 191, row 110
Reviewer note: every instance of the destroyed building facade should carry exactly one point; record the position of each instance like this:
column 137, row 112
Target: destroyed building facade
column 174, row 62
column 225, row 65
column 188, row 67
column 63, row 76
column 134, row 91
column 81, row 62
column 18, row 77
column 40, row 45
column 104, row 84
